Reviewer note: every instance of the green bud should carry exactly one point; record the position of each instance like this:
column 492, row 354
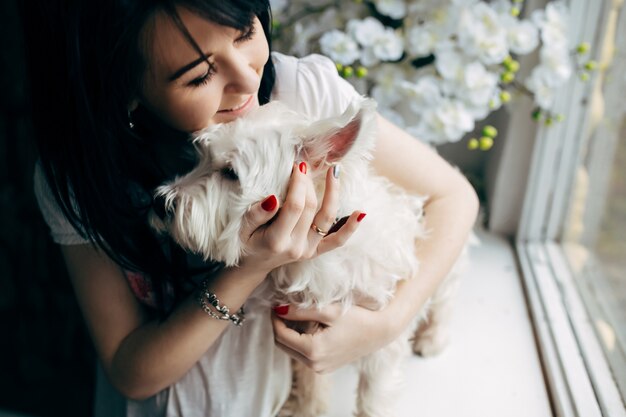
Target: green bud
column 348, row 71
column 490, row 131
column 515, row 11
column 591, row 65
column 537, row 115
column 583, row 48
column 505, row 96
column 485, row 143
column 472, row 144
column 507, row 60
column 584, row 76
column 507, row 77
column 560, row 117
column 549, row 121
column 512, row 65
column 361, row 72
column 339, row 67
column 492, row 104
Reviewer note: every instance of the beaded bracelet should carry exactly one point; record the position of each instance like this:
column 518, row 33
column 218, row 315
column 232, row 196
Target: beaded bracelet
column 207, row 299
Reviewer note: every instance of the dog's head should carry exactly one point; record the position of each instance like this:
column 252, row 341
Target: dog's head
column 242, row 162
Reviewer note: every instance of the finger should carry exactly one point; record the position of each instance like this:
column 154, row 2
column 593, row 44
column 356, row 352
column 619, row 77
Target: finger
column 301, row 343
column 325, row 315
column 258, row 215
column 328, row 210
column 303, row 227
column 294, row 203
column 295, row 355
column 341, row 236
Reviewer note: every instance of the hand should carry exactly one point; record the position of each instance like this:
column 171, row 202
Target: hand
column 274, row 237
column 339, row 338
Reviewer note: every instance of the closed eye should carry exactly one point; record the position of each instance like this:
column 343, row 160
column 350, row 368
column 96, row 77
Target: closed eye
column 229, row 173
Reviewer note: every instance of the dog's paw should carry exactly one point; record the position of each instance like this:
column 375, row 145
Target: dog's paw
column 430, row 342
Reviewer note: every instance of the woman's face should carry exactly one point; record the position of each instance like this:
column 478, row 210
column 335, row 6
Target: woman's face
column 190, row 93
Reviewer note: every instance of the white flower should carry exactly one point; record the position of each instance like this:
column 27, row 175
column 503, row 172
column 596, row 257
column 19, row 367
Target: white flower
column 339, row 47
column 365, row 31
column 449, row 62
column 553, row 22
column 396, row 9
column 541, row 85
column 478, row 84
column 423, row 94
column 386, row 90
column 522, row 36
column 481, row 34
column 388, row 47
column 557, row 63
column 446, row 123
column 421, row 40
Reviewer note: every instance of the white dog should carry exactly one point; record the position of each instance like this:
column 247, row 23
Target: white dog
column 242, row 162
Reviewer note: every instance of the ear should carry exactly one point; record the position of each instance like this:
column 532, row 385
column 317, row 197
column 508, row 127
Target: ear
column 329, row 140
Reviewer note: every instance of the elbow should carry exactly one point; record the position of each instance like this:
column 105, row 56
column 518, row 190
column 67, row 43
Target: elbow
column 129, row 384
column 469, row 199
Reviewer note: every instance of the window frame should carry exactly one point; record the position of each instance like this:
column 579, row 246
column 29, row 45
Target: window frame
column 578, row 374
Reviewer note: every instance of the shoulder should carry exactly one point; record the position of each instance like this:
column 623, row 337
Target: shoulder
column 61, row 229
column 311, row 85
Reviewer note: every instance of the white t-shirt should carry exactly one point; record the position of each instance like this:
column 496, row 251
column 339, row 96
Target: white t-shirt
column 243, row 374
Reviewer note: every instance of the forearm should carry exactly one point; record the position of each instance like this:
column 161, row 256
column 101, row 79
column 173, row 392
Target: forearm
column 449, row 221
column 159, row 353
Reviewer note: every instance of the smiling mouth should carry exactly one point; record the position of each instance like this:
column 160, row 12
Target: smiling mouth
column 240, row 106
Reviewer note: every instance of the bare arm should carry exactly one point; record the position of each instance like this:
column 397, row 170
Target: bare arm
column 142, row 357
column 450, row 211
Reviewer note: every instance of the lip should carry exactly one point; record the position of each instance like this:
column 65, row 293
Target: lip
column 238, row 110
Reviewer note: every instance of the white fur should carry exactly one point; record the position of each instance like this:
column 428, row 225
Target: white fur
column 206, row 210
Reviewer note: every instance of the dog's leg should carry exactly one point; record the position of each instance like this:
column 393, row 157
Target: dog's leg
column 433, row 334
column 310, row 393
column 380, row 380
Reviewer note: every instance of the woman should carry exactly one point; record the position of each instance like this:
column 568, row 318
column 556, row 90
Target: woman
column 125, row 84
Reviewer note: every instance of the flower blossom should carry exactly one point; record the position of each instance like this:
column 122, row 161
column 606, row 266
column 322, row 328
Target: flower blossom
column 339, row 47
column 553, row 22
column 481, row 34
column 396, row 9
column 522, row 36
column 448, row 122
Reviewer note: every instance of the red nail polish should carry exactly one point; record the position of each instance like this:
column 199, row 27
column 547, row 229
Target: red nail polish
column 281, row 310
column 361, row 217
column 269, row 204
column 302, row 167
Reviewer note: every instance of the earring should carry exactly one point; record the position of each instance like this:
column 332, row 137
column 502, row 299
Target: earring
column 130, row 121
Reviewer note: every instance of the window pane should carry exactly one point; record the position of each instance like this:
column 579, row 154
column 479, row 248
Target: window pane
column 594, row 237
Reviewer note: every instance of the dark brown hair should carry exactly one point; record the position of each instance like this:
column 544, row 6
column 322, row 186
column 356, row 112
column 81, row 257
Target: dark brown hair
column 87, row 61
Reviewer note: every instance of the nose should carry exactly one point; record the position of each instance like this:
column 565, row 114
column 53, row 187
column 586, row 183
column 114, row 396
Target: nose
column 241, row 74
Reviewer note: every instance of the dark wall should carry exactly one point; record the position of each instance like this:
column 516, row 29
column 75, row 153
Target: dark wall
column 46, row 359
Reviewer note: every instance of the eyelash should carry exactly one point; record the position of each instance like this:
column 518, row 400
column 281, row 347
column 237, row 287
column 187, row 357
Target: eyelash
column 211, row 71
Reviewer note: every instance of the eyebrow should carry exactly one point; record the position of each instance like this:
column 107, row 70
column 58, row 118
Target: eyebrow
column 188, row 67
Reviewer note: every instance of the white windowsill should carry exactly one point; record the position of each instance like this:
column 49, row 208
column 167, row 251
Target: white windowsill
column 491, row 368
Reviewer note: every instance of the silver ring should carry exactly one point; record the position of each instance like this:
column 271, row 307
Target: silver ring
column 318, row 230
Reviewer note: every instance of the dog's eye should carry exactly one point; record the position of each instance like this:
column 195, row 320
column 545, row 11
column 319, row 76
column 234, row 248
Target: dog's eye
column 229, row 173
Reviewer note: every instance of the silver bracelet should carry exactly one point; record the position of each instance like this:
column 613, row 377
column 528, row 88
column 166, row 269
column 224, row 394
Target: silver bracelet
column 209, row 302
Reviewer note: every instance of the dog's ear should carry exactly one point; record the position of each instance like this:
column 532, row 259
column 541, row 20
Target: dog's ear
column 329, row 140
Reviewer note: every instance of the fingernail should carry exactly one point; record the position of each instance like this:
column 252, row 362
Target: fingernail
column 302, row 167
column 336, row 171
column 269, row 204
column 281, row 310
column 361, row 217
